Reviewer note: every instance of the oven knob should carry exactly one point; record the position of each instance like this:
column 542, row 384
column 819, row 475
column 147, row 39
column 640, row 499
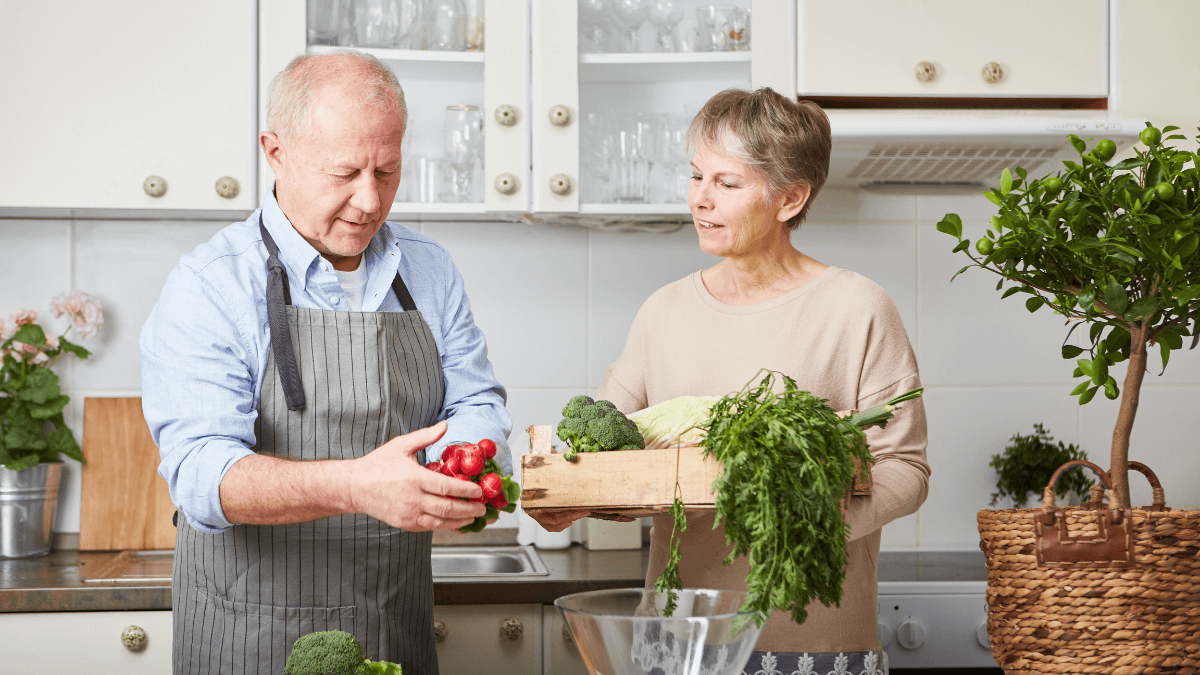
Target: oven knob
column 910, row 634
column 885, row 634
column 981, row 635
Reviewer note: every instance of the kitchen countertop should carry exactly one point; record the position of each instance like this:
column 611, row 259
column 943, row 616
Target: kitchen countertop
column 52, row 583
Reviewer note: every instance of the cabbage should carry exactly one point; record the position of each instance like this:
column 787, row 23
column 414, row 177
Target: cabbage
column 674, row 421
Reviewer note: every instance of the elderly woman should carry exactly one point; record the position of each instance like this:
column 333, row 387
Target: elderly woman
column 758, row 161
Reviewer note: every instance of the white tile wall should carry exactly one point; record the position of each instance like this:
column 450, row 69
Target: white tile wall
column 556, row 302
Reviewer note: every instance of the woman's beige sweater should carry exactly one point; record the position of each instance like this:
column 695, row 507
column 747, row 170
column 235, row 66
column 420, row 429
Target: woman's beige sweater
column 838, row 336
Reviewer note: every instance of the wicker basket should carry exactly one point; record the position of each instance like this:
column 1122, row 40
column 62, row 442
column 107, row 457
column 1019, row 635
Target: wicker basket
column 1089, row 590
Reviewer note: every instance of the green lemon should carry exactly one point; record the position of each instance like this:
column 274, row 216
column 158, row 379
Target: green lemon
column 1052, row 185
column 1164, row 191
column 1104, row 150
column 1150, row 136
column 984, row 246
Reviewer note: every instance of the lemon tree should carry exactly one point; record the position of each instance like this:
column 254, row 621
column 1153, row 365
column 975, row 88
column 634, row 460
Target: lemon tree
column 1110, row 247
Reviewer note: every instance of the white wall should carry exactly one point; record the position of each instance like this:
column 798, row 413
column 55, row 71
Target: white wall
column 556, row 302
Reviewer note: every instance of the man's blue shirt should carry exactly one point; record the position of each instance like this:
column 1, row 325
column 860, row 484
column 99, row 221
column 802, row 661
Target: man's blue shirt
column 205, row 345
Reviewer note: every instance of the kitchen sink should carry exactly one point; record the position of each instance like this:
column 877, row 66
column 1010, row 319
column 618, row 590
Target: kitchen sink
column 448, row 561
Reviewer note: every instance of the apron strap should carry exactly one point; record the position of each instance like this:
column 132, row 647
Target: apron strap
column 278, row 298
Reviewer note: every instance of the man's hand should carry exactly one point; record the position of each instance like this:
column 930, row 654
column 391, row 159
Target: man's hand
column 389, row 484
column 557, row 522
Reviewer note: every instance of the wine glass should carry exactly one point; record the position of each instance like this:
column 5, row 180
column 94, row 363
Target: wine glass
column 445, row 25
column 632, row 14
column 595, row 20
column 462, row 140
column 665, row 15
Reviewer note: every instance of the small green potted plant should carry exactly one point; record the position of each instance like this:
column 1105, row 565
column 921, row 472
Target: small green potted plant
column 33, row 432
column 1113, row 248
column 1025, row 467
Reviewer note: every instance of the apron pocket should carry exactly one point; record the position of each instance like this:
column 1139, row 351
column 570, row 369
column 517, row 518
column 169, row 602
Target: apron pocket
column 248, row 638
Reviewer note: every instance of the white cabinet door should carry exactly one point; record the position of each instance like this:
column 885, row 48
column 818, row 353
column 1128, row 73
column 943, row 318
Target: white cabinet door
column 83, row 642
column 871, row 48
column 493, row 639
column 99, row 95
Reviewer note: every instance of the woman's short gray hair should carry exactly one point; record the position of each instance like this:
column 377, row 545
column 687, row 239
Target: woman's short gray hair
column 289, row 98
column 786, row 141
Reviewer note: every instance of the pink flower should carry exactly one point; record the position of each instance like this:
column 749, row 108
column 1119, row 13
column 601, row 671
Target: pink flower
column 7, row 329
column 51, row 342
column 39, row 358
column 24, row 316
column 23, row 351
column 84, row 311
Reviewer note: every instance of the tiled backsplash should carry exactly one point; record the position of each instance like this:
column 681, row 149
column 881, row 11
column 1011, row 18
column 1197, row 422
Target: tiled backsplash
column 556, row 302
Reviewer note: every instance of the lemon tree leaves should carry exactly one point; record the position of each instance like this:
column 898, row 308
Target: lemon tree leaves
column 1111, row 246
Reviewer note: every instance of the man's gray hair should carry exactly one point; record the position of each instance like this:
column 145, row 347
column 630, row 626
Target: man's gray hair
column 290, row 96
column 788, row 142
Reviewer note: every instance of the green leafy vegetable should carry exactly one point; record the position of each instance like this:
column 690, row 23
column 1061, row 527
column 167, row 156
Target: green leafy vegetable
column 594, row 426
column 672, row 422
column 787, row 465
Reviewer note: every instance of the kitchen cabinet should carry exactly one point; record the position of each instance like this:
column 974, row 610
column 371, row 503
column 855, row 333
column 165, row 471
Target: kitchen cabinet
column 85, row 642
column 497, row 639
column 130, row 105
column 952, row 48
column 559, row 652
column 544, row 101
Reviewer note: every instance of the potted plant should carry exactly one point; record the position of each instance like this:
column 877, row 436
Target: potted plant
column 32, row 430
column 1113, row 248
column 1028, row 462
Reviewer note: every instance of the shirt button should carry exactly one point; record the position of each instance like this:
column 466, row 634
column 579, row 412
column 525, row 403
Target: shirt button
column 337, row 301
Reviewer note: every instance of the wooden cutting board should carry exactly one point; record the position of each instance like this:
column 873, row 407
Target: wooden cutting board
column 125, row 504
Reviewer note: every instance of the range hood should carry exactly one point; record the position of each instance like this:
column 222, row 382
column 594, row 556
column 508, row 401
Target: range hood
column 914, row 148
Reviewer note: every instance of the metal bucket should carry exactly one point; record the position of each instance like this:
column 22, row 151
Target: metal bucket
column 28, row 499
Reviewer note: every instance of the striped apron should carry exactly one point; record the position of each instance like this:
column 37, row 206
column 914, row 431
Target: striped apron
column 337, row 386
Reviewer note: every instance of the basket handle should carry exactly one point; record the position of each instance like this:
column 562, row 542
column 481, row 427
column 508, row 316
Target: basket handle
column 1160, row 496
column 1049, row 505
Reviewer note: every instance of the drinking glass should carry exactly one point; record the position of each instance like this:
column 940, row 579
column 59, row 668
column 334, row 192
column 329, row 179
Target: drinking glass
column 595, row 148
column 665, row 15
column 376, row 23
column 473, row 25
column 629, row 163
column 631, row 14
column 686, row 35
column 430, row 180
column 462, row 140
column 595, row 22
column 445, row 25
column 324, row 21
column 723, row 26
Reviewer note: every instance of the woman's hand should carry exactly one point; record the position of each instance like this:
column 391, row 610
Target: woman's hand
column 557, row 522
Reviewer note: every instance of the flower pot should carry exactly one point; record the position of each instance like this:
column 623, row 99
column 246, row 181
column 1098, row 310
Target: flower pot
column 28, row 499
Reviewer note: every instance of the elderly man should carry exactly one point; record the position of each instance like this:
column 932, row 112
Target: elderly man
column 316, row 331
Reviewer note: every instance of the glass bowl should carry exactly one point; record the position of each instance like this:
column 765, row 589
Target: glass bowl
column 623, row 632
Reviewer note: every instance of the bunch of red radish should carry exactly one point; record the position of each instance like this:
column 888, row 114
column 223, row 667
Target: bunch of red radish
column 474, row 462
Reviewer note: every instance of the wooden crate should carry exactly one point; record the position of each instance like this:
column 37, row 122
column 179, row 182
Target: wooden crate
column 620, row 485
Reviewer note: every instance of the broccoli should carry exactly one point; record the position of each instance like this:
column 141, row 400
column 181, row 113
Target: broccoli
column 593, row 426
column 333, row 652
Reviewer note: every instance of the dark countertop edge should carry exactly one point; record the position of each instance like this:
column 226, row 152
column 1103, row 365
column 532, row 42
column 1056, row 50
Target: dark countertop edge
column 57, row 587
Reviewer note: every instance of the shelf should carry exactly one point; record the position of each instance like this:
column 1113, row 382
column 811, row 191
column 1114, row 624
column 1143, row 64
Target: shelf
column 421, row 64
column 634, row 209
column 662, row 67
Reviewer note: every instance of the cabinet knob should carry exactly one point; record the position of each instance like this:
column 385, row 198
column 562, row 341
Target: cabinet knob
column 228, row 187
column 926, row 72
column 511, row 629
column 506, row 184
column 560, row 184
column 155, row 186
column 992, row 72
column 560, row 115
column 440, row 632
column 134, row 638
column 506, row 115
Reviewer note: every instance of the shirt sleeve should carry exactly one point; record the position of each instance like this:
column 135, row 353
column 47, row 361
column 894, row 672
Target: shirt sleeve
column 624, row 382
column 900, row 473
column 475, row 401
column 198, row 392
